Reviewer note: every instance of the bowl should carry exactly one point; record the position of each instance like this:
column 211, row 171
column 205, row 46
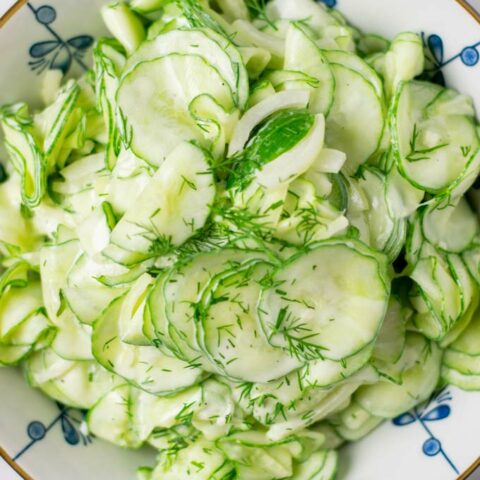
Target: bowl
column 43, row 440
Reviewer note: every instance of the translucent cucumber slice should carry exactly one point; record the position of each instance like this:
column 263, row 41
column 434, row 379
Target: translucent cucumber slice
column 321, row 295
column 355, row 105
column 155, row 96
column 302, row 54
column 450, row 227
column 228, row 331
column 214, row 48
column 185, row 284
column 433, row 151
column 465, row 382
column 356, row 63
column 173, row 206
column 386, row 399
column 146, row 367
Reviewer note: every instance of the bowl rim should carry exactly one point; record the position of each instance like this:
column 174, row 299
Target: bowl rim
column 14, row 8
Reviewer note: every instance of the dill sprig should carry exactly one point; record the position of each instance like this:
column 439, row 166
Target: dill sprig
column 258, row 9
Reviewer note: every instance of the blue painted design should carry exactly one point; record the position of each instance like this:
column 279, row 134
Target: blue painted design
column 56, row 53
column 69, row 419
column 433, row 43
column 434, row 410
column 329, row 3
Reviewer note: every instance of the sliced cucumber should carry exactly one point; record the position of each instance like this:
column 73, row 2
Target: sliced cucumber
column 386, row 399
column 321, row 294
column 441, row 224
column 228, row 330
column 145, row 367
column 215, row 49
column 355, row 104
column 320, row 466
column 432, row 151
column 183, row 289
column 354, row 62
column 155, row 96
column 302, row 54
column 161, row 216
column 465, row 382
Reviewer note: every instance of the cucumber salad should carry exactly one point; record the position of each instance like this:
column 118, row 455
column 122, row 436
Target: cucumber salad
column 244, row 238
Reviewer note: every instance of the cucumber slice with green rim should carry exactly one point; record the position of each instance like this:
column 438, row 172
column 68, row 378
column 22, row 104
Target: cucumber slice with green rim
column 469, row 341
column 228, row 332
column 433, row 151
column 131, row 320
column 84, row 281
column 110, row 418
column 355, row 104
column 442, row 224
column 11, row 355
column 201, row 458
column 155, row 96
column 161, row 216
column 82, row 385
column 302, row 54
column 145, row 367
column 215, row 49
column 317, row 296
column 325, row 373
column 18, row 304
column 183, row 289
column 356, row 63
column 387, row 400
column 26, row 156
column 465, row 382
column 462, row 362
column 390, row 341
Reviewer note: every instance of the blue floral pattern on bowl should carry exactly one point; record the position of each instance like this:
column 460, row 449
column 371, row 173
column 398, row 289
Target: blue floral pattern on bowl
column 70, row 421
column 434, row 410
column 57, row 53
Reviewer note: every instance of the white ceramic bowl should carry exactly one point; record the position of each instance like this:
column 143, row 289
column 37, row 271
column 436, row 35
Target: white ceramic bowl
column 44, row 441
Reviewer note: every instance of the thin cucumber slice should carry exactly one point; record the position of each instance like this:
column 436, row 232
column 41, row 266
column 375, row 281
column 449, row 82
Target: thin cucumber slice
column 201, row 458
column 85, row 280
column 256, row 457
column 390, row 341
column 228, row 330
column 356, row 63
column 145, row 367
column 110, row 418
column 82, row 385
column 155, row 96
column 469, row 341
column 302, row 54
column 183, row 289
column 310, row 470
column 72, row 340
column 462, row 362
column 55, row 263
column 432, row 151
column 320, row 295
column 132, row 314
column 215, row 49
column 465, row 382
column 442, row 224
column 355, row 104
column 375, row 224
column 16, row 305
column 11, row 355
column 26, row 156
column 386, row 399
column 325, row 373
column 162, row 216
